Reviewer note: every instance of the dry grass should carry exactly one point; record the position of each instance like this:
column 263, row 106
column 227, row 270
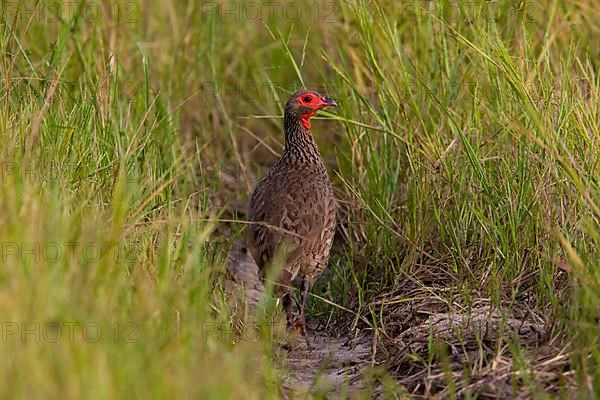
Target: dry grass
column 465, row 153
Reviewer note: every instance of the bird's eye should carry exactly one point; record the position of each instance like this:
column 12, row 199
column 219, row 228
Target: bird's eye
column 307, row 99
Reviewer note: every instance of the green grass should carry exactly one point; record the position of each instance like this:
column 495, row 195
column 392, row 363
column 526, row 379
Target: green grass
column 465, row 152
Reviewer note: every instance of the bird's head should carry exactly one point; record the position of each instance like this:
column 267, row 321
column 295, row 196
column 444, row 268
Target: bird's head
column 304, row 104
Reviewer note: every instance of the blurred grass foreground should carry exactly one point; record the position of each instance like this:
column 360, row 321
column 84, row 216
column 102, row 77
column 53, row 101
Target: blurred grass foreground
column 464, row 152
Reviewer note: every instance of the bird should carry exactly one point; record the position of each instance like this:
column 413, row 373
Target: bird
column 292, row 212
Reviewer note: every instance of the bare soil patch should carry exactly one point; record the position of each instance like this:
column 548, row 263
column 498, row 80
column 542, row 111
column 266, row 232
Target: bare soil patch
column 324, row 362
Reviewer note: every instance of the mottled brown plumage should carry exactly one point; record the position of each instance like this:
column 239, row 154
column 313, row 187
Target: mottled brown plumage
column 293, row 206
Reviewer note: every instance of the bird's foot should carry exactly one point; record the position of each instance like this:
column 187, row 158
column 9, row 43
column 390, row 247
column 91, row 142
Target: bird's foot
column 298, row 325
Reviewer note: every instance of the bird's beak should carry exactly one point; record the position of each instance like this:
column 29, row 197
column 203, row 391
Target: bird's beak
column 328, row 101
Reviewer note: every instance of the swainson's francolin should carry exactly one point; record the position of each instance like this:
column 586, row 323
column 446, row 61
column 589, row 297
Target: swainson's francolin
column 293, row 206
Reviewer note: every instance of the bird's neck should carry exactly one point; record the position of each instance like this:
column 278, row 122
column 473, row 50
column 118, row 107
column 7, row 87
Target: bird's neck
column 298, row 138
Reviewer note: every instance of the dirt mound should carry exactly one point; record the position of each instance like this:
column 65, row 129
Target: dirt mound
column 326, row 364
column 438, row 347
column 471, row 351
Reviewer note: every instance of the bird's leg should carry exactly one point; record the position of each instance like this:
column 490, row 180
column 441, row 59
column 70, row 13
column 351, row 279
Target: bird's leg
column 304, row 288
column 286, row 303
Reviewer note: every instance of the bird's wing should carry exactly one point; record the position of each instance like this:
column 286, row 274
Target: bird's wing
column 299, row 222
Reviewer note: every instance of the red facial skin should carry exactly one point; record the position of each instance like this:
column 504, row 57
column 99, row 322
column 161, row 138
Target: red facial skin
column 314, row 102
